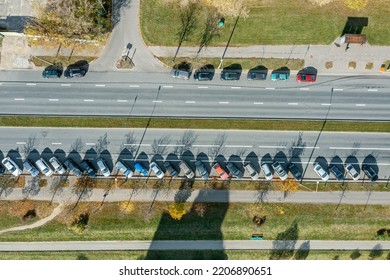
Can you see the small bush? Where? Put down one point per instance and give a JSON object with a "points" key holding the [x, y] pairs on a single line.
{"points": [[81, 223], [329, 64]]}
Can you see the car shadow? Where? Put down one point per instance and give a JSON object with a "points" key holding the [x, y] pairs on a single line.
{"points": [[323, 162], [205, 160], [282, 159], [237, 161], [296, 160], [338, 162], [47, 154], [106, 156], [253, 159], [189, 158], [354, 161]]}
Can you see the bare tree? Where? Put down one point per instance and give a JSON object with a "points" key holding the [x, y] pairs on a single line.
{"points": [[129, 143], [185, 142], [210, 31], [297, 147], [77, 146], [6, 185], [218, 146], [32, 187], [241, 152], [101, 144], [31, 144], [159, 145], [355, 150]]}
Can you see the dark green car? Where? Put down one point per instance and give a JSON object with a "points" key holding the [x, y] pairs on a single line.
{"points": [[51, 73]]}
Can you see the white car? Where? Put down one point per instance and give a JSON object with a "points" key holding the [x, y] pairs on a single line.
{"points": [[123, 169], [267, 171], [44, 167], [156, 169], [57, 165], [251, 171], [352, 172], [279, 170], [11, 166], [321, 171], [103, 167]]}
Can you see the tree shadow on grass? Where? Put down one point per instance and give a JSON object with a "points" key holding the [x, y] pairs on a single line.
{"points": [[284, 244]]}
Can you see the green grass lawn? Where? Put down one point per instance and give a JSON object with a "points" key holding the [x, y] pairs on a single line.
{"points": [[43, 61], [270, 22]]}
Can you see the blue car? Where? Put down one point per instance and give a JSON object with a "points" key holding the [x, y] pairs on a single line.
{"points": [[140, 168], [275, 76]]}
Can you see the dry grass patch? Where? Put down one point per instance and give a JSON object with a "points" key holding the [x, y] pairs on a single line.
{"points": [[369, 65], [352, 65]]}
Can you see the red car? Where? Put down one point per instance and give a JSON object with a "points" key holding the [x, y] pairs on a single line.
{"points": [[222, 173], [306, 78]]}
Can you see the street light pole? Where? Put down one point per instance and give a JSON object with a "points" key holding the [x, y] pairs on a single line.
{"points": [[227, 45]]}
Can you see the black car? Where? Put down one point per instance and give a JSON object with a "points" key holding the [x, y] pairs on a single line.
{"points": [[202, 75], [74, 72], [370, 172], [336, 172], [51, 73], [294, 171], [87, 166], [256, 75], [230, 75], [171, 170]]}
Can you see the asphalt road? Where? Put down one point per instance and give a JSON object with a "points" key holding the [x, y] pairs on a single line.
{"points": [[207, 145], [158, 95]]}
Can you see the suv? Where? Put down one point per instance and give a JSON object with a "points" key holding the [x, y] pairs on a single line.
{"points": [[266, 170], [123, 169], [201, 169], [276, 76], [44, 167], [171, 170], [321, 171], [256, 75], [279, 170], [29, 166], [11, 166], [74, 72], [51, 73], [251, 171], [87, 166], [58, 167], [222, 173], [352, 172], [71, 165], [308, 78], [233, 168], [103, 167], [336, 172], [203, 75], [156, 169], [140, 168], [370, 172], [230, 75], [187, 170], [181, 74], [294, 171]]}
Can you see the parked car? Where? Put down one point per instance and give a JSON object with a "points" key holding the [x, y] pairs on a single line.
{"points": [[87, 166], [306, 78], [256, 75], [221, 172], [201, 169], [279, 170], [72, 167], [203, 75], [11, 166], [1, 170], [251, 171], [156, 169], [266, 170], [370, 172], [181, 74], [294, 171], [351, 171], [44, 167], [276, 76], [74, 72], [29, 166], [336, 172], [229, 75], [170, 169], [122, 168], [187, 170], [321, 171], [103, 167], [233, 169], [140, 168], [58, 167], [51, 73]]}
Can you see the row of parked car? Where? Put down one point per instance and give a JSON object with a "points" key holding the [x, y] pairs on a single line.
{"points": [[234, 75], [41, 166], [68, 73]]}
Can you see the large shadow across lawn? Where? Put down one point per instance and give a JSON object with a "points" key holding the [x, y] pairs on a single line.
{"points": [[202, 222]]}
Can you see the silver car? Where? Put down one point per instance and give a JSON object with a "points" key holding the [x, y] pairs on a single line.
{"points": [[44, 167], [351, 171], [321, 171], [201, 169], [156, 169], [123, 169], [57, 165], [29, 166], [267, 171], [251, 171], [71, 165], [103, 167], [279, 170], [11, 166], [187, 170]]}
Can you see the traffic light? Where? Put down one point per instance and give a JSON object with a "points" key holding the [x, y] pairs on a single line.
{"points": [[221, 22]]}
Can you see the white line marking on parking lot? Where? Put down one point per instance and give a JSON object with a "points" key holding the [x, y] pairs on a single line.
{"points": [[157, 101], [1, 84], [235, 87], [326, 104], [258, 103], [360, 105], [372, 89], [18, 99], [54, 99], [21, 143], [270, 88], [90, 144], [277, 147], [304, 88], [170, 145], [360, 148], [292, 103], [65, 85], [133, 85], [56, 143], [31, 84], [190, 102], [121, 100], [99, 85], [224, 102], [88, 100], [199, 145], [202, 87], [298, 147], [338, 89], [167, 86], [238, 146]]}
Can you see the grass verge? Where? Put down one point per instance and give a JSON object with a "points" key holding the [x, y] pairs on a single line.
{"points": [[43, 61], [120, 122]]}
